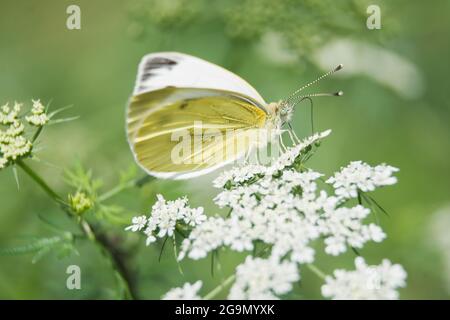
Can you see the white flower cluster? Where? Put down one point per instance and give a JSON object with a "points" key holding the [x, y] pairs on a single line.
{"points": [[294, 155], [13, 142], [164, 218], [238, 175], [343, 226], [38, 116], [267, 210], [276, 206], [366, 282], [360, 176], [186, 292], [284, 208], [244, 174], [263, 279]]}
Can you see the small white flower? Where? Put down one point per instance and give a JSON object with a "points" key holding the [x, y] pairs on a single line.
{"points": [[3, 162], [164, 218], [342, 226], [186, 292], [9, 115], [14, 143], [38, 117], [17, 147], [166, 225], [288, 158], [239, 175], [138, 223], [366, 282], [194, 216], [150, 237], [204, 238], [15, 129], [360, 176], [263, 279]]}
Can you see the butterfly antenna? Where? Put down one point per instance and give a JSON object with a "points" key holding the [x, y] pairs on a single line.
{"points": [[294, 95], [322, 94]]}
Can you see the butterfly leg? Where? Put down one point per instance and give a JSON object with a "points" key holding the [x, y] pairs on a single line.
{"points": [[283, 146], [293, 135]]}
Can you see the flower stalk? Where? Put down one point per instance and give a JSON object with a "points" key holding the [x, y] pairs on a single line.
{"points": [[109, 252], [214, 292], [316, 271]]}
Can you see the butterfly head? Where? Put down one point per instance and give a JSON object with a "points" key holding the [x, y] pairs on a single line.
{"points": [[281, 111]]}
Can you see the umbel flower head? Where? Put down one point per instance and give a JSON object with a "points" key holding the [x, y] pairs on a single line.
{"points": [[14, 141], [164, 217], [286, 207], [186, 292], [80, 202], [366, 282], [282, 210], [263, 279]]}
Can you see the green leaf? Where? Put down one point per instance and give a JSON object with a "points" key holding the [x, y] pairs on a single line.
{"points": [[114, 214], [54, 113], [65, 250], [162, 249], [34, 246], [356, 251], [40, 254], [51, 225], [16, 177], [57, 121], [378, 206], [82, 180], [128, 175]]}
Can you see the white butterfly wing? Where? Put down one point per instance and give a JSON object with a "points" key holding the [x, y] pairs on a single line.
{"points": [[166, 79], [172, 69]]}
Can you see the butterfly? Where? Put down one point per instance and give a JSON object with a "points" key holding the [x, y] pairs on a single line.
{"points": [[181, 96]]}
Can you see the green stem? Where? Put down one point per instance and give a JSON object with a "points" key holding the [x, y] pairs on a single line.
{"points": [[37, 133], [230, 279], [219, 288], [116, 190], [317, 271], [104, 246], [33, 175]]}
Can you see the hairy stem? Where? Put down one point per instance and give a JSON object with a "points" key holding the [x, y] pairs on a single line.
{"points": [[108, 250]]}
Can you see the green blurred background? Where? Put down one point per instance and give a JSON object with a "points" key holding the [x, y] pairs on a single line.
{"points": [[94, 70]]}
